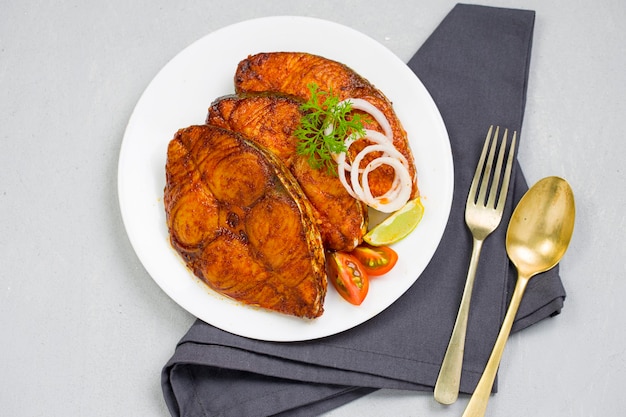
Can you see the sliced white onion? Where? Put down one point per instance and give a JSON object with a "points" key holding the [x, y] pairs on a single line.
{"points": [[372, 136], [402, 192], [366, 106], [377, 137], [342, 167], [389, 151], [329, 129], [398, 194], [402, 185]]}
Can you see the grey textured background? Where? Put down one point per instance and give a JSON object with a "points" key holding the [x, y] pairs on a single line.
{"points": [[85, 330]]}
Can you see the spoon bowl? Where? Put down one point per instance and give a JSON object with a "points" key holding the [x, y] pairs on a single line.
{"points": [[539, 233], [541, 226]]}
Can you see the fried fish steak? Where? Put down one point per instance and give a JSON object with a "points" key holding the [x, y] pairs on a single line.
{"points": [[292, 73], [241, 223], [270, 120]]}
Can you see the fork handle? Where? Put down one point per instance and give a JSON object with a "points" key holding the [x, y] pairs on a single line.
{"points": [[449, 379], [477, 405]]}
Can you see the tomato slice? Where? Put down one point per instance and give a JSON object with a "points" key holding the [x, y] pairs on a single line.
{"points": [[348, 277], [376, 260]]}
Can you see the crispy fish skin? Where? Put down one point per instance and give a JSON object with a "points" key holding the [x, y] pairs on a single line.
{"points": [[270, 121], [292, 72], [241, 223]]}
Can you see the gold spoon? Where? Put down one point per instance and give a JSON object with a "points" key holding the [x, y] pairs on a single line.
{"points": [[538, 235]]}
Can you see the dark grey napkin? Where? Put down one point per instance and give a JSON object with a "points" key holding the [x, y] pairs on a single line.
{"points": [[475, 65]]}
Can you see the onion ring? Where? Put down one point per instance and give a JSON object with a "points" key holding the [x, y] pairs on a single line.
{"points": [[400, 190], [397, 192], [403, 191], [379, 116]]}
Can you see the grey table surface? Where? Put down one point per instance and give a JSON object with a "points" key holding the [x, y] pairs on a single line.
{"points": [[85, 330]]}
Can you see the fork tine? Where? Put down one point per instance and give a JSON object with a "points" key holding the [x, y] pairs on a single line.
{"points": [[479, 168], [482, 196], [497, 173], [507, 173]]}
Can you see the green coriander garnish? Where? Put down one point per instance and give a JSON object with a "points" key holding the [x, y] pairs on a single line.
{"points": [[323, 129]]}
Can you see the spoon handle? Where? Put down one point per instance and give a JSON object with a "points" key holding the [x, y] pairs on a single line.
{"points": [[449, 379], [478, 403]]}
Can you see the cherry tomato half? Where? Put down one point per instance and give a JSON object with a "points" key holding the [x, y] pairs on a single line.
{"points": [[376, 260], [348, 277]]}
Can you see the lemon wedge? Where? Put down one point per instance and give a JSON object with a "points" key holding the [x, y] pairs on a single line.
{"points": [[397, 226]]}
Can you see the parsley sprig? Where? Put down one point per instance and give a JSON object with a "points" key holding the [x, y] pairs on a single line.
{"points": [[317, 141]]}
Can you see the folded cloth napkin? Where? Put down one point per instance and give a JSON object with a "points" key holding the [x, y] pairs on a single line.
{"points": [[475, 66]]}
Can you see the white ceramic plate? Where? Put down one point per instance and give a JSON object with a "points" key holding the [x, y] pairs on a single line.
{"points": [[179, 96]]}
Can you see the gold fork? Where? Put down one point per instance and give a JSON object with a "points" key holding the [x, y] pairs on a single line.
{"points": [[483, 212]]}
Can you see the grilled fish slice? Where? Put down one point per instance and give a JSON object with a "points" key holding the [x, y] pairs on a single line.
{"points": [[240, 221], [270, 121], [292, 72]]}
